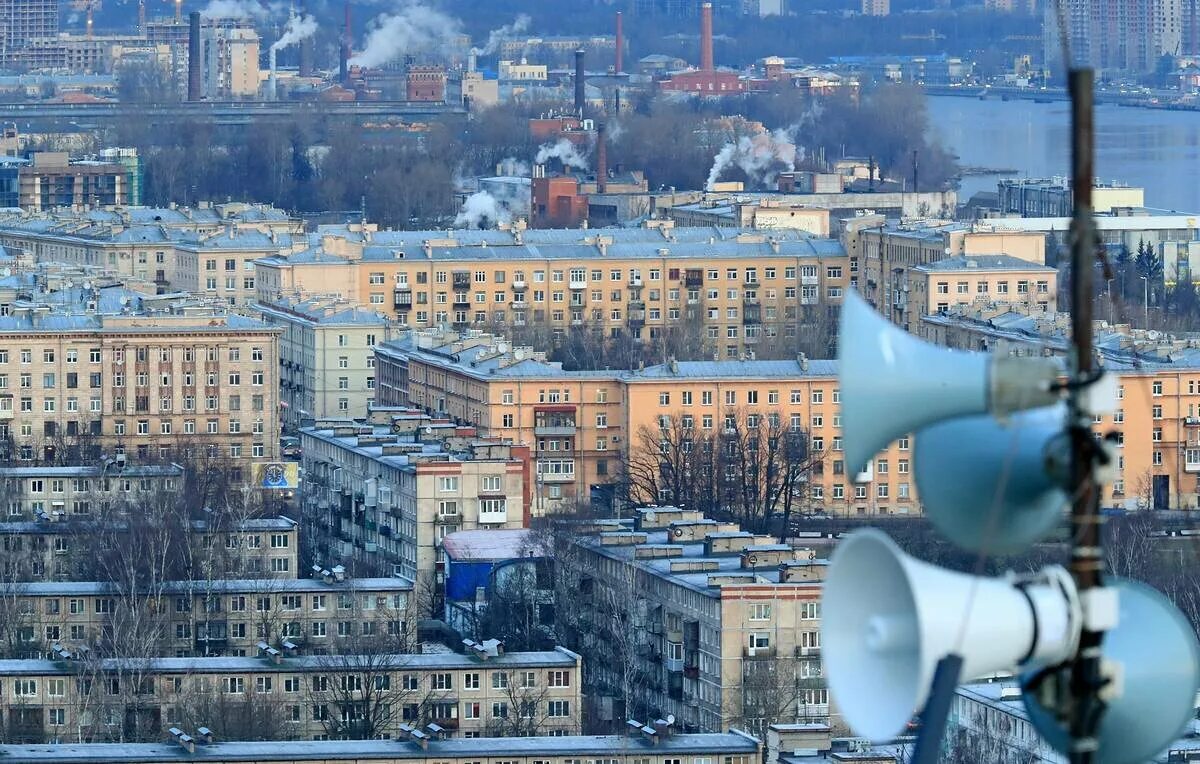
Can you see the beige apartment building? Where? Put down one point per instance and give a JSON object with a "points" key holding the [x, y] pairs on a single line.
{"points": [[326, 355], [738, 289], [171, 246], [108, 371], [381, 498], [58, 493], [888, 250], [959, 282], [56, 550], [647, 745], [717, 623], [581, 425], [1158, 408], [573, 421], [304, 697], [209, 616]]}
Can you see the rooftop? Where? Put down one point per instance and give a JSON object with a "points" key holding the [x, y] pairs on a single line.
{"points": [[215, 586], [488, 545], [321, 310], [983, 263], [297, 663], [711, 744]]}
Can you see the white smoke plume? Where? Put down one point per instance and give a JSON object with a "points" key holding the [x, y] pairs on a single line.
{"points": [[298, 29], [234, 9], [761, 157], [496, 36], [513, 167], [615, 130], [412, 27], [481, 210], [564, 151]]}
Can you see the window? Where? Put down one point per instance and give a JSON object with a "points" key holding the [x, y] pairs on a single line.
{"points": [[760, 611], [759, 641], [559, 708], [447, 484]]}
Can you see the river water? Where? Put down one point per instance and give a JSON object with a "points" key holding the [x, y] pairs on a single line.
{"points": [[1155, 149]]}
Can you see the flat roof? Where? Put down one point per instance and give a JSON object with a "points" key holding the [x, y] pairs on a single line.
{"points": [[215, 586], [350, 750]]}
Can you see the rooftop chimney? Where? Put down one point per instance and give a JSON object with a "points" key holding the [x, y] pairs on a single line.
{"points": [[706, 42], [580, 97], [344, 67], [194, 85], [617, 62], [601, 159]]}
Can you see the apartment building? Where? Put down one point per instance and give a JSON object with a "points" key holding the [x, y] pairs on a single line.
{"points": [[382, 497], [55, 550], [581, 425], [467, 696], [573, 421], [708, 397], [1158, 408], [1054, 198], [141, 242], [726, 622], [210, 616], [327, 356], [739, 286], [887, 252], [973, 279], [56, 493], [648, 745], [91, 371]]}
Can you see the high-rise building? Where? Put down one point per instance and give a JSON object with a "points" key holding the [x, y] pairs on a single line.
{"points": [[1119, 35], [876, 7], [23, 20]]}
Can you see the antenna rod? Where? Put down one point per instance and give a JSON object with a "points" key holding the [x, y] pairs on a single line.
{"points": [[1087, 551]]}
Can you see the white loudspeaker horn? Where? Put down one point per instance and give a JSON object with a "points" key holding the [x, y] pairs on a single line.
{"points": [[992, 485], [1157, 662], [893, 383], [888, 618]]}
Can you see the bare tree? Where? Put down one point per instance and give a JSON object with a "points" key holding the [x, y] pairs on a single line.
{"points": [[524, 710], [770, 693]]}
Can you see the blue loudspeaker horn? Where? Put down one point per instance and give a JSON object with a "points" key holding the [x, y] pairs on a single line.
{"points": [[992, 485], [893, 383], [1155, 683]]}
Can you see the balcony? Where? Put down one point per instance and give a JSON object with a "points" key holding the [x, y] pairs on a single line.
{"points": [[752, 313], [577, 285], [448, 519], [691, 672], [563, 428], [758, 652], [520, 285], [635, 283], [556, 477], [499, 516], [1192, 421], [674, 664], [810, 280], [402, 299], [694, 279], [462, 280], [462, 300]]}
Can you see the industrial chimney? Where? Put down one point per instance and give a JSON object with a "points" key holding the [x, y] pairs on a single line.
{"points": [[306, 49], [706, 40], [194, 85], [601, 159], [178, 11], [89, 21], [141, 17], [580, 95], [344, 67], [618, 60]]}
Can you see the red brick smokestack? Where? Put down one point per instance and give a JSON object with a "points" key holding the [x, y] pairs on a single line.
{"points": [[617, 66], [601, 159], [706, 49]]}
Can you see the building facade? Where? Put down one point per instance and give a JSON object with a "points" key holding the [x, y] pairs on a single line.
{"points": [[384, 496], [467, 696], [209, 617], [327, 357], [85, 372]]}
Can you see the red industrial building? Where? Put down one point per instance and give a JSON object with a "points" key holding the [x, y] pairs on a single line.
{"points": [[426, 83], [706, 79], [557, 203]]}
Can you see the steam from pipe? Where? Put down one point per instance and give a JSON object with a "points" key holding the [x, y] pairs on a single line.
{"points": [[513, 167], [564, 151], [298, 29], [413, 27], [234, 9], [482, 210], [497, 36], [761, 157]]}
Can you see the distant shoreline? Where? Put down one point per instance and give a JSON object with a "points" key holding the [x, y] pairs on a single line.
{"points": [[1054, 95]]}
